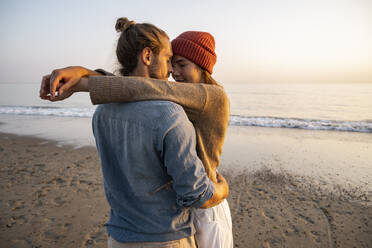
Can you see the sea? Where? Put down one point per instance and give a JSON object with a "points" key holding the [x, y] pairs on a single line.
{"points": [[335, 107]]}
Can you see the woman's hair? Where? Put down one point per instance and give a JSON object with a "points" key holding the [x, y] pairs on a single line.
{"points": [[207, 77], [134, 37]]}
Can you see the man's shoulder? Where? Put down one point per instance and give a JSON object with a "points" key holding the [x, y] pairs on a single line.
{"points": [[142, 110], [145, 106], [159, 104]]}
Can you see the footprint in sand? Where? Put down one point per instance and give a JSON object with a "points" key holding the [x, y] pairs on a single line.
{"points": [[67, 226], [73, 181], [93, 239], [50, 235], [293, 230], [16, 204], [21, 242], [21, 219], [316, 236], [57, 181], [307, 219], [37, 203], [41, 192], [40, 166], [11, 222], [267, 215], [16, 220], [58, 201]]}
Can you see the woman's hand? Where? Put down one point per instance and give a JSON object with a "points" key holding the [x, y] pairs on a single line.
{"points": [[65, 81], [80, 86]]}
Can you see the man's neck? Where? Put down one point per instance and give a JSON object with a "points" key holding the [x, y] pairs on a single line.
{"points": [[140, 72]]}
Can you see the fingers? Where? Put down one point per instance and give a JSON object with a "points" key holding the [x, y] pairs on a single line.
{"points": [[61, 96], [45, 90], [219, 177], [67, 86], [44, 87], [54, 81]]}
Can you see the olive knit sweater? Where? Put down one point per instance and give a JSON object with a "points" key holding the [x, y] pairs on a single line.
{"points": [[207, 107]]}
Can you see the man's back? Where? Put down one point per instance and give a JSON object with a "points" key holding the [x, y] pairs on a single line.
{"points": [[143, 146]]}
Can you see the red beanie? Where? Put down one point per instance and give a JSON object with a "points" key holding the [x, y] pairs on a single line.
{"points": [[197, 47]]}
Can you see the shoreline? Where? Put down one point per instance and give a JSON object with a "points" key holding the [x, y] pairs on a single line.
{"points": [[330, 157], [52, 196]]}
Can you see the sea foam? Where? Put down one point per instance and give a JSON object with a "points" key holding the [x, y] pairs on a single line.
{"points": [[364, 126]]}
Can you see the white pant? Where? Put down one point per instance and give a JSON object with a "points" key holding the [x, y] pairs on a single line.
{"points": [[213, 226]]}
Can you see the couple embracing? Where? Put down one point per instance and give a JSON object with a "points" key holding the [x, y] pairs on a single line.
{"points": [[159, 142]]}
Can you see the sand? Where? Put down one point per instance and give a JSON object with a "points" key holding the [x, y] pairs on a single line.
{"points": [[52, 196]]}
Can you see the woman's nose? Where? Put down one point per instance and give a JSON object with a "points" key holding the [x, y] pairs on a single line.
{"points": [[175, 71]]}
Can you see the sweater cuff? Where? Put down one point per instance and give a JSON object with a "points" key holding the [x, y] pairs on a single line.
{"points": [[107, 89], [97, 87], [103, 72]]}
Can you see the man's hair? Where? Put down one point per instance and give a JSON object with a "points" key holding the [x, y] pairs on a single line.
{"points": [[134, 37]]}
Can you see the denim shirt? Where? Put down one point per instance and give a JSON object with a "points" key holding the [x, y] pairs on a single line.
{"points": [[143, 146]]}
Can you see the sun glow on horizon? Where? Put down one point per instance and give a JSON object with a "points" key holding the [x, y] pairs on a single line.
{"points": [[308, 42]]}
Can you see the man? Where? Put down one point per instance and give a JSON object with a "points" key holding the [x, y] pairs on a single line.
{"points": [[145, 145]]}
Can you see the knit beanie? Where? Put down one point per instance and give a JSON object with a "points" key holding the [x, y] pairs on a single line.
{"points": [[197, 47]]}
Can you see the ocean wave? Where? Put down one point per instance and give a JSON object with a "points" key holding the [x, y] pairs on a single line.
{"points": [[364, 126], [310, 124], [47, 111]]}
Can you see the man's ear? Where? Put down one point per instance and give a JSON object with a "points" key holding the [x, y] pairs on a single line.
{"points": [[146, 56]]}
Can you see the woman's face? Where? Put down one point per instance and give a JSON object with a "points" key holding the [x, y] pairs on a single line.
{"points": [[185, 71]]}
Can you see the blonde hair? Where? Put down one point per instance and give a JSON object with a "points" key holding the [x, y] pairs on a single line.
{"points": [[207, 78]]}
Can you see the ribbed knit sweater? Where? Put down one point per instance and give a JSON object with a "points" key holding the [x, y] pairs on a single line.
{"points": [[207, 107]]}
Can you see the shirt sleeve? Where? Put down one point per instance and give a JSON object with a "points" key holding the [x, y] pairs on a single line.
{"points": [[190, 181]]}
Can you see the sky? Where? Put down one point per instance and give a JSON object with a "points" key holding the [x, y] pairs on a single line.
{"points": [[257, 41]]}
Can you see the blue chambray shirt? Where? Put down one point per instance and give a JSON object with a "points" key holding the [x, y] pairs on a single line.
{"points": [[142, 146]]}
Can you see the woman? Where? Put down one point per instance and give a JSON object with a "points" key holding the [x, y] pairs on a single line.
{"points": [[192, 62], [204, 101]]}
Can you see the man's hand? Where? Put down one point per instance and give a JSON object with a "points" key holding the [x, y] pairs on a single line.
{"points": [[65, 81]]}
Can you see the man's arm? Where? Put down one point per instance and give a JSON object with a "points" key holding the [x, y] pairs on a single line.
{"points": [[190, 182]]}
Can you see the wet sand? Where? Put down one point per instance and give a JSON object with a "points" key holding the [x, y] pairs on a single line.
{"points": [[52, 194]]}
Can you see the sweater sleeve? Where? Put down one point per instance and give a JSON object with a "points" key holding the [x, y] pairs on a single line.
{"points": [[104, 73], [193, 97]]}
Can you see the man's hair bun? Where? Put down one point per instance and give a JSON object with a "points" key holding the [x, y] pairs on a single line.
{"points": [[123, 24]]}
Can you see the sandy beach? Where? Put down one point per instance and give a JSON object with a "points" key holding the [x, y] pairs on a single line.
{"points": [[52, 194]]}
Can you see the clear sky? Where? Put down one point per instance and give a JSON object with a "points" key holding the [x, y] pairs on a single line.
{"points": [[256, 40]]}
